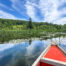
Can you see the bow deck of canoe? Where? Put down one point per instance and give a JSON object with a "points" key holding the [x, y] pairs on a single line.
{"points": [[53, 55]]}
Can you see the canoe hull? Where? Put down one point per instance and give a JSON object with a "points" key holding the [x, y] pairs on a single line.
{"points": [[46, 59]]}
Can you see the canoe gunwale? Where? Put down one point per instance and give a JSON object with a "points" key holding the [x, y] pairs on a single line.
{"points": [[53, 62], [42, 54], [62, 50]]}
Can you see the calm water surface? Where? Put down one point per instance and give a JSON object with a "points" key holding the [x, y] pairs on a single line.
{"points": [[24, 53]]}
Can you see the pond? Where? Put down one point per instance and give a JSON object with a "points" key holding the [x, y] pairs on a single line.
{"points": [[24, 53]]}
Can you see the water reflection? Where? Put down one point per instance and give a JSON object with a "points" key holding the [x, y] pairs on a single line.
{"points": [[25, 53]]}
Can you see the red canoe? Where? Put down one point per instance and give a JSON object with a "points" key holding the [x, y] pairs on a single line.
{"points": [[53, 55]]}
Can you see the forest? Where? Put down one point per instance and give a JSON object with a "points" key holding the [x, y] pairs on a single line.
{"points": [[21, 29]]}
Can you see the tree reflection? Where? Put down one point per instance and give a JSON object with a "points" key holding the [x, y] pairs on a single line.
{"points": [[30, 41]]}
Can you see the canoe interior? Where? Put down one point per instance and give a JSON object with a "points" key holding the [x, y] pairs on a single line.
{"points": [[55, 54], [43, 64]]}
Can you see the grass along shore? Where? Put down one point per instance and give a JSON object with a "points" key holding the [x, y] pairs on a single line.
{"points": [[7, 35]]}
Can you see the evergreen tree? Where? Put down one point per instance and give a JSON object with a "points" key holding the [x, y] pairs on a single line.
{"points": [[30, 26]]}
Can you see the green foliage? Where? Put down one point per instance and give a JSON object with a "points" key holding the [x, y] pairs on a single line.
{"points": [[18, 29]]}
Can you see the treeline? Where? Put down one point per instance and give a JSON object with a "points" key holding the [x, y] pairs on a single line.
{"points": [[18, 29], [23, 25]]}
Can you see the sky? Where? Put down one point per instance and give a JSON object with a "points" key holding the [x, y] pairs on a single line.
{"points": [[51, 11]]}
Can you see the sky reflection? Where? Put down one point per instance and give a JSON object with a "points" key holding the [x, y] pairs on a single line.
{"points": [[26, 52]]}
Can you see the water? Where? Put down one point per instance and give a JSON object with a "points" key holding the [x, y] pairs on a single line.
{"points": [[24, 53]]}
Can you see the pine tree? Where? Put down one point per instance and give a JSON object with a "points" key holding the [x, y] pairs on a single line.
{"points": [[30, 26]]}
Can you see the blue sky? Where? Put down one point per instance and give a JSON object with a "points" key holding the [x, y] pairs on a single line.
{"points": [[52, 11]]}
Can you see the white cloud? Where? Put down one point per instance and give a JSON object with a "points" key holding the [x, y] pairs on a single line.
{"points": [[63, 11], [18, 5], [5, 46], [48, 9], [30, 10], [4, 6], [60, 21], [15, 4], [6, 15]]}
